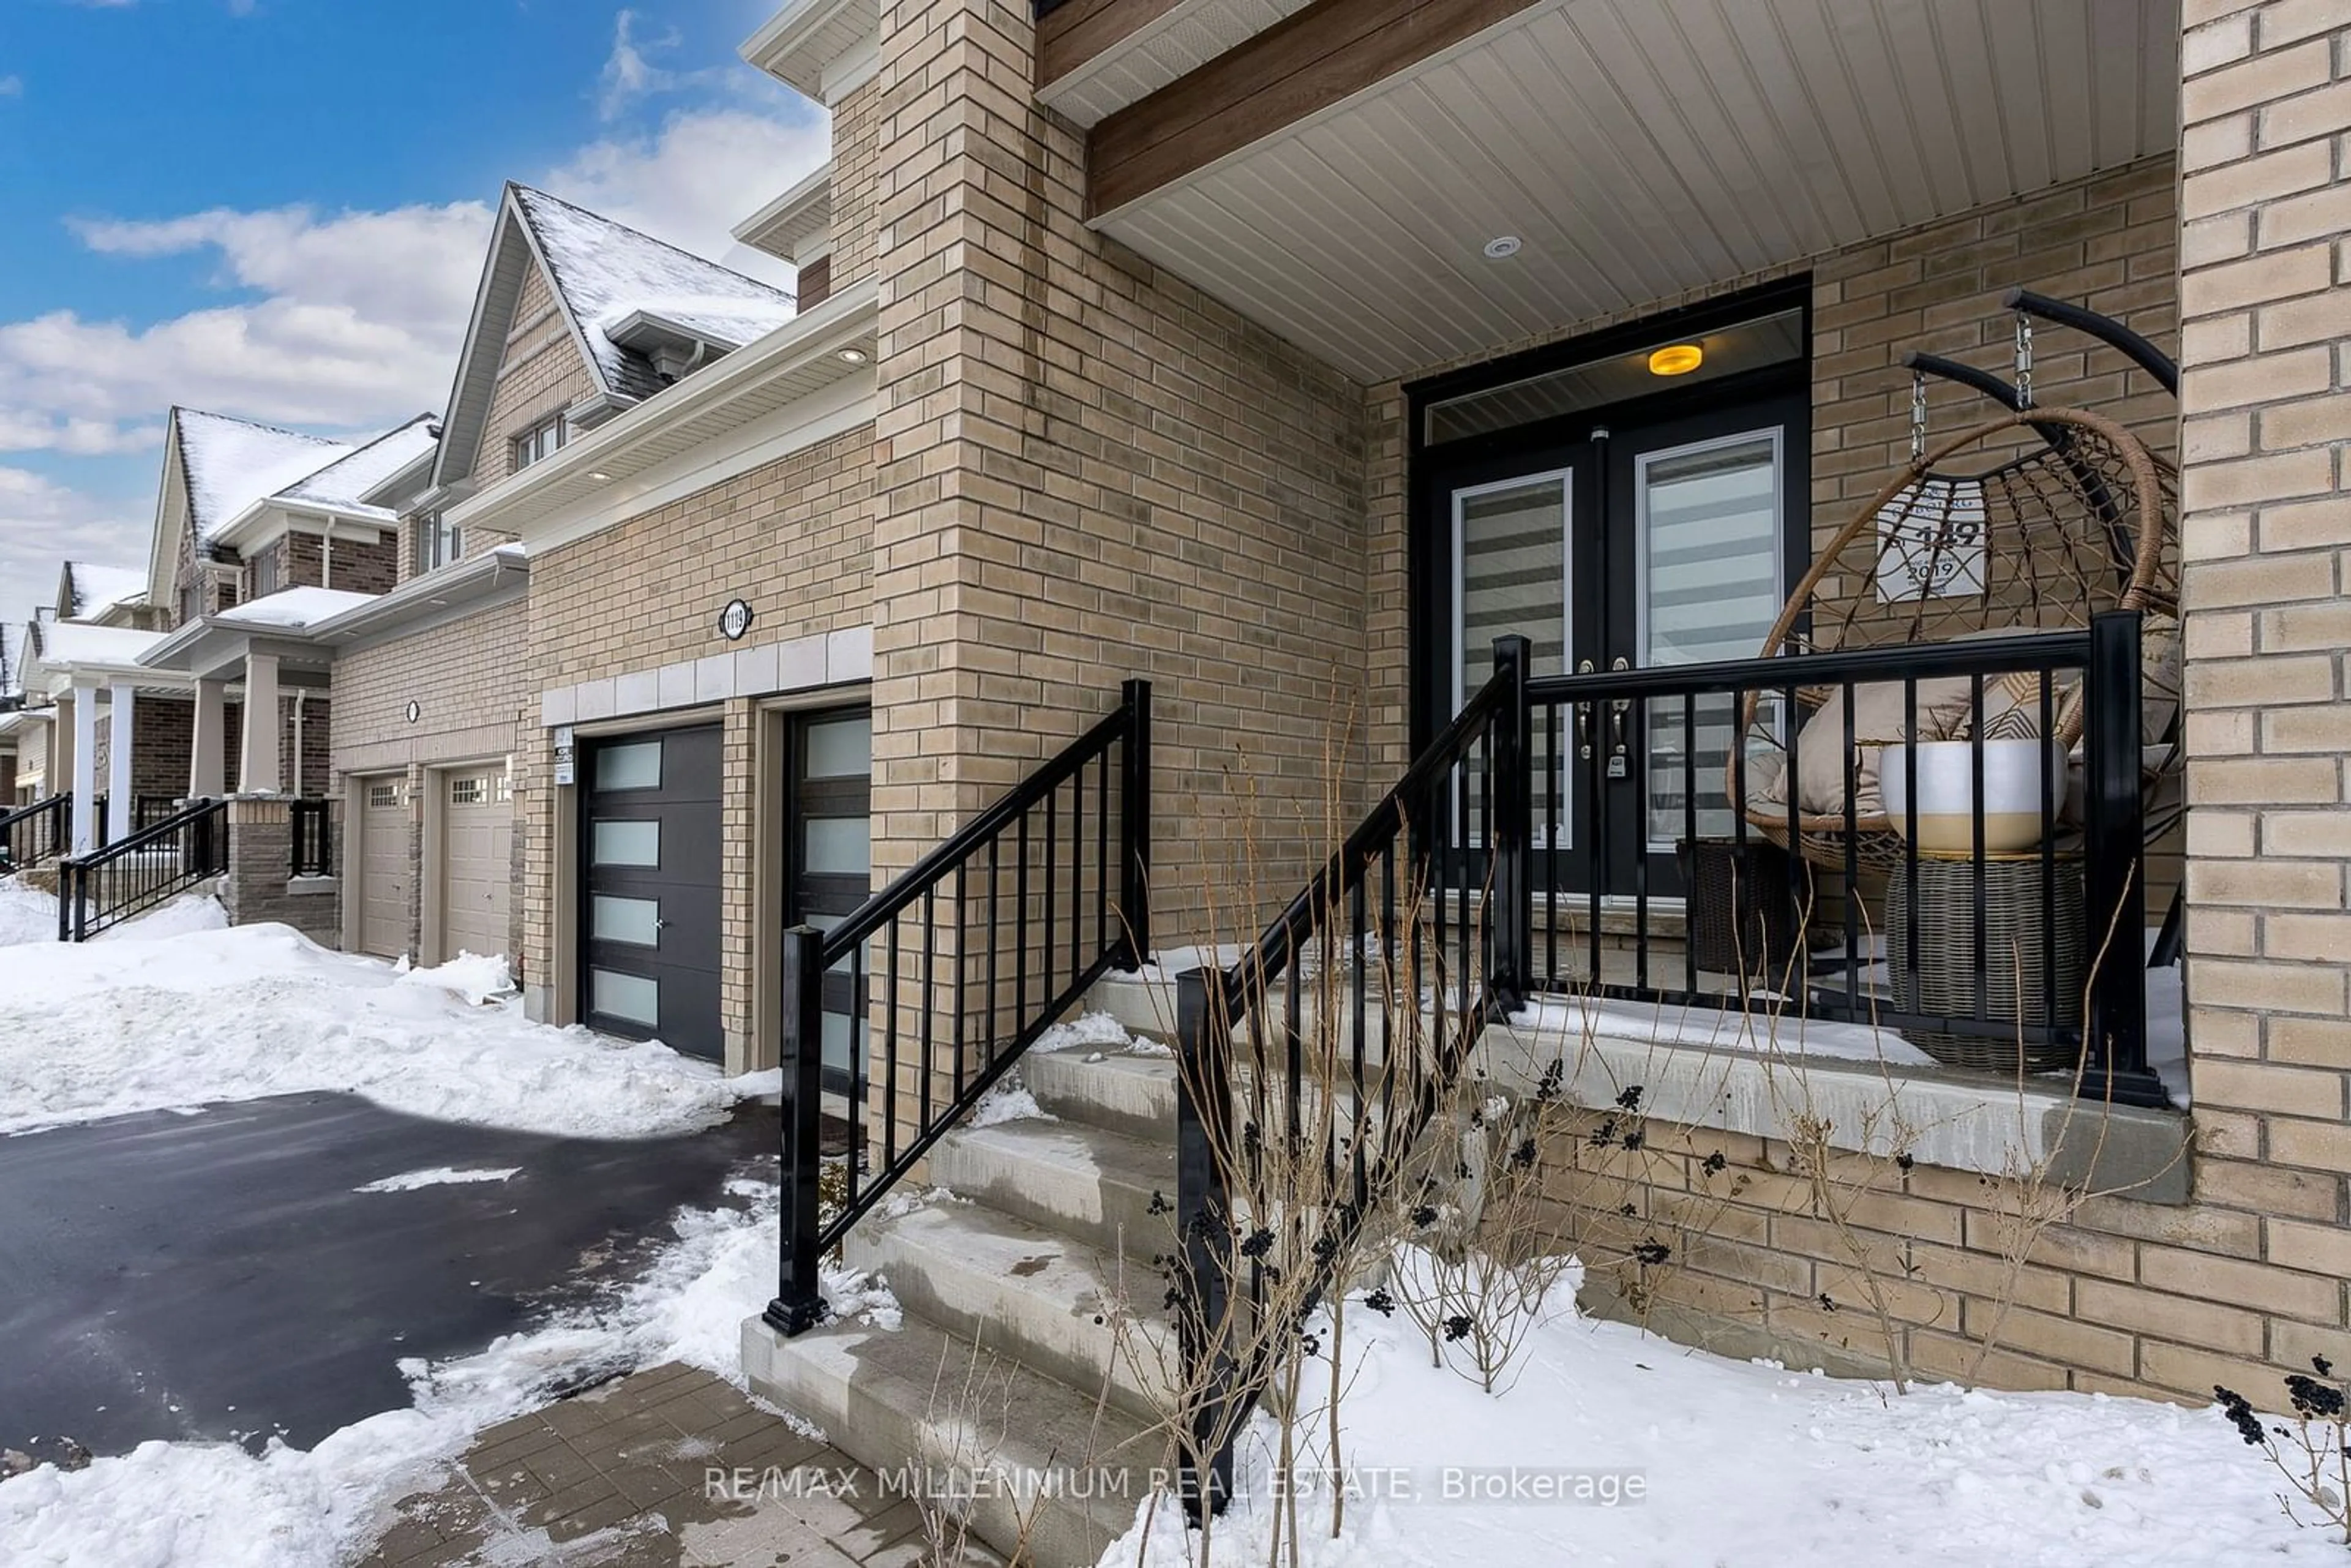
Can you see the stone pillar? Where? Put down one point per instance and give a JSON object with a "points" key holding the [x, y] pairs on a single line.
{"points": [[207, 765], [260, 884], [85, 767], [258, 769], [122, 799], [2265, 404]]}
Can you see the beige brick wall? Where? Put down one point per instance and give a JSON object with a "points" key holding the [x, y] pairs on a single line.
{"points": [[468, 679], [1090, 470], [794, 538], [540, 370], [2108, 241], [856, 151]]}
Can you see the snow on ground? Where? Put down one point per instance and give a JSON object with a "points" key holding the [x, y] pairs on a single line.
{"points": [[214, 1505], [439, 1175], [27, 914], [155, 1022], [1739, 1463]]}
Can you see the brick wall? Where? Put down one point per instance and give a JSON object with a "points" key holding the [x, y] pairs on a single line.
{"points": [[1090, 470], [858, 123], [794, 538], [2267, 421], [539, 372], [2109, 241], [306, 751], [469, 681]]}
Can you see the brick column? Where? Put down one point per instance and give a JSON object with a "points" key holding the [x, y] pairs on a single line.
{"points": [[260, 884], [2266, 538]]}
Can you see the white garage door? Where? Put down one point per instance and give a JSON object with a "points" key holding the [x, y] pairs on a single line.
{"points": [[477, 876], [387, 874]]}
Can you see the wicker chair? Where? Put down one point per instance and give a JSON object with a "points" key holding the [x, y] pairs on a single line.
{"points": [[2033, 521]]}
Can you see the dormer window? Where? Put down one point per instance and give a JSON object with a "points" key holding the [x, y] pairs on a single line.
{"points": [[540, 442]]}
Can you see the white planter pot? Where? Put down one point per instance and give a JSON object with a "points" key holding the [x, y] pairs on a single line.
{"points": [[2016, 775]]}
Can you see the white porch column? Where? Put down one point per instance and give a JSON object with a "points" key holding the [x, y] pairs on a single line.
{"points": [[257, 766], [121, 804], [58, 770], [208, 750], [85, 767]]}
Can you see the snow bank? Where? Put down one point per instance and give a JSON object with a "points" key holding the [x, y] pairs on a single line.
{"points": [[112, 1027], [1739, 1463], [27, 914]]}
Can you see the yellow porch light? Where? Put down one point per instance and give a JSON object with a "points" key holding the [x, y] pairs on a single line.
{"points": [[1675, 359]]}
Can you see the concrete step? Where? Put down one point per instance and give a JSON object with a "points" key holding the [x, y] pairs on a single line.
{"points": [[1125, 1092], [1033, 1295], [1088, 1183], [914, 1396]]}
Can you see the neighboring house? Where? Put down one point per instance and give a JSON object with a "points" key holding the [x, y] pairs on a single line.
{"points": [[106, 596], [606, 424]]}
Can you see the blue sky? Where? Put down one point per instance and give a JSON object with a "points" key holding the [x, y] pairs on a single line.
{"points": [[277, 209]]}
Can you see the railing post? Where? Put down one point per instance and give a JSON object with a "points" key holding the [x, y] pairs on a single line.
{"points": [[799, 1305], [1204, 1108], [1135, 825], [1510, 838], [2114, 858]]}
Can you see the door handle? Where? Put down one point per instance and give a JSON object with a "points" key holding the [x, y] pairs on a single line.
{"points": [[1619, 759], [1584, 719]]}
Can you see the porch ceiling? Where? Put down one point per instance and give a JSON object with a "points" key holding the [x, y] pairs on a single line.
{"points": [[1641, 148]]}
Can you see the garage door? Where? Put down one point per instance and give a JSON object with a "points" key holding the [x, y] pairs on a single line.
{"points": [[387, 874], [649, 857], [477, 872]]}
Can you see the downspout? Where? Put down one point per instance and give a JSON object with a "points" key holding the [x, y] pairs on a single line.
{"points": [[300, 694], [326, 564]]}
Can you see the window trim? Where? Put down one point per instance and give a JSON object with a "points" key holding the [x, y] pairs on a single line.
{"points": [[540, 442]]}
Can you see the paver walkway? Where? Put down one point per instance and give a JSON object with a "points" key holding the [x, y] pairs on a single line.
{"points": [[668, 1468]]}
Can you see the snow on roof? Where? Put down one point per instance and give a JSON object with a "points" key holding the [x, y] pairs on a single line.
{"points": [[233, 463], [69, 643], [95, 590], [606, 272], [344, 483], [293, 607]]}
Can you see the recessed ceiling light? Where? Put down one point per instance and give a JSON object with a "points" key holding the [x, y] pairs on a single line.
{"points": [[1675, 359], [853, 356], [598, 474], [1501, 247]]}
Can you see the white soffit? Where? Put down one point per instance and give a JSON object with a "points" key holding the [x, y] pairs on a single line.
{"points": [[1640, 148], [797, 226], [1188, 35], [819, 47]]}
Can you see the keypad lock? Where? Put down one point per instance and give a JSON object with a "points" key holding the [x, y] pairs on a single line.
{"points": [[1619, 756]]}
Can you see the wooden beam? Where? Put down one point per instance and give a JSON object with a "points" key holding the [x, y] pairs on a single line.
{"points": [[1075, 31], [1330, 51]]}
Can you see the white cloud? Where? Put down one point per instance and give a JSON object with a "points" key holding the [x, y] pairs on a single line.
{"points": [[42, 523], [335, 320]]}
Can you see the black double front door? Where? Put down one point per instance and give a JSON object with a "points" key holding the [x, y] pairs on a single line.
{"points": [[649, 854], [1658, 534]]}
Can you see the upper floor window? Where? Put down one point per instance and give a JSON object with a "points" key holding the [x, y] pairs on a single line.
{"points": [[540, 442], [439, 541], [265, 574]]}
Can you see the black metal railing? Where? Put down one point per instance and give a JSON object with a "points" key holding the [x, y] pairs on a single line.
{"points": [[940, 981], [109, 885], [146, 810], [31, 834], [312, 822], [2032, 954], [1307, 1069]]}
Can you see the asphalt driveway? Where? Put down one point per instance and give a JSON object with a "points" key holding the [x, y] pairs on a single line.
{"points": [[215, 1275]]}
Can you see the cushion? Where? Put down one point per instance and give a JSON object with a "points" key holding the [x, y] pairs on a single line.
{"points": [[1877, 721]]}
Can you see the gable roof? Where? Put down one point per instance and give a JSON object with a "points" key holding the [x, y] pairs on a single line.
{"points": [[91, 591], [230, 464], [343, 484], [611, 283]]}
